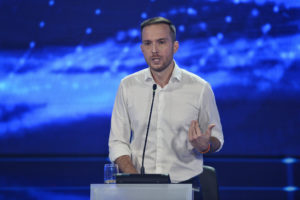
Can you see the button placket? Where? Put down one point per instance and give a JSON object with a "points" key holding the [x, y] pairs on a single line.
{"points": [[159, 144]]}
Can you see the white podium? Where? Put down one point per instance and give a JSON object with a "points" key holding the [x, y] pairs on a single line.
{"points": [[141, 192]]}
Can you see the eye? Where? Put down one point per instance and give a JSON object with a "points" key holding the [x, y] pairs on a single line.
{"points": [[147, 43], [161, 41]]}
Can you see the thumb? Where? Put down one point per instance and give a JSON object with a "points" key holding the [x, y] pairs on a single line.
{"points": [[209, 128]]}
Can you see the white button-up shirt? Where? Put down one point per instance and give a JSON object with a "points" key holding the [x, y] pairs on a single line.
{"points": [[185, 98]]}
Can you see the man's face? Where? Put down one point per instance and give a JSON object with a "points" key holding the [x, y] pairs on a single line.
{"points": [[158, 47]]}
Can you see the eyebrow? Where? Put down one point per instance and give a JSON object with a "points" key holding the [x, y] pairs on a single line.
{"points": [[155, 40], [162, 39]]}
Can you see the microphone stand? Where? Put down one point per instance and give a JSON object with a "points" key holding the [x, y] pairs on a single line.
{"points": [[145, 144]]}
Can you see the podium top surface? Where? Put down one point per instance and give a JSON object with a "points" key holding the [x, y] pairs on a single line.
{"points": [[141, 191]]}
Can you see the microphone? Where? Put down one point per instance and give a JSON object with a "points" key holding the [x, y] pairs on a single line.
{"points": [[145, 144]]}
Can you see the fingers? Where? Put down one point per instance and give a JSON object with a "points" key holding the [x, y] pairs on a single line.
{"points": [[195, 132], [197, 129], [192, 131]]}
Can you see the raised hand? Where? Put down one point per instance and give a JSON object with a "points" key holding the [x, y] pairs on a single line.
{"points": [[200, 141]]}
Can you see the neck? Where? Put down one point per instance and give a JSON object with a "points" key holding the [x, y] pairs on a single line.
{"points": [[162, 78]]}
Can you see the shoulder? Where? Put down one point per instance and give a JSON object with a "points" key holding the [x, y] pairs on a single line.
{"points": [[194, 79], [134, 78]]}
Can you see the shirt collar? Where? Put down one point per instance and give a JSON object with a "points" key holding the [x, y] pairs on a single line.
{"points": [[176, 74]]}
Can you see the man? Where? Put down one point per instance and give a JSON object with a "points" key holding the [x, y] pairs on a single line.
{"points": [[185, 121]]}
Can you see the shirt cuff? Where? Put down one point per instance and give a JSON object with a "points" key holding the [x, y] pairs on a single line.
{"points": [[116, 152]]}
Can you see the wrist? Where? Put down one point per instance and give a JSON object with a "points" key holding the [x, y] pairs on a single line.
{"points": [[207, 149]]}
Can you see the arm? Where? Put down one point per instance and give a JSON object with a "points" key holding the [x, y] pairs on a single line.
{"points": [[125, 164], [206, 134], [119, 137]]}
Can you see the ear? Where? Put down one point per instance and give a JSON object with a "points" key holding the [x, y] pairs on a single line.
{"points": [[142, 49], [175, 46]]}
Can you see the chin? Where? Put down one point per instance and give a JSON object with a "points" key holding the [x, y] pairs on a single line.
{"points": [[158, 69]]}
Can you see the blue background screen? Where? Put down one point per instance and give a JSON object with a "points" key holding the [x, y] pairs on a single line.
{"points": [[61, 63]]}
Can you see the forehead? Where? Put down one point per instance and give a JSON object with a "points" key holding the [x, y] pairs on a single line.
{"points": [[156, 31]]}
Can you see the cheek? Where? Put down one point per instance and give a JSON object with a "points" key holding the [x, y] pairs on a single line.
{"points": [[144, 52], [168, 52]]}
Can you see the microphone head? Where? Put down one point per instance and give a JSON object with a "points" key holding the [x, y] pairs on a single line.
{"points": [[154, 86]]}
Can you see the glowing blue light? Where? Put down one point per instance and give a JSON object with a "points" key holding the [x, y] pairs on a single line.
{"points": [[121, 35], [283, 55], [125, 49], [3, 129], [22, 61], [32, 44], [182, 10], [14, 125], [79, 48], [152, 0], [191, 11], [35, 88], [88, 30], [144, 15], [42, 24], [173, 12], [236, 1], [3, 86], [291, 55], [223, 51], [232, 60], [51, 2], [289, 160], [290, 188], [254, 12], [181, 28], [213, 40], [48, 86], [75, 86], [69, 63], [228, 19], [259, 42], [258, 2], [250, 53], [202, 62], [211, 50], [97, 11], [220, 36], [266, 28], [163, 14], [202, 26], [133, 33], [275, 9]]}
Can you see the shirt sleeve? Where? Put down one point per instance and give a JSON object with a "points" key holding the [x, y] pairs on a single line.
{"points": [[119, 137], [209, 114]]}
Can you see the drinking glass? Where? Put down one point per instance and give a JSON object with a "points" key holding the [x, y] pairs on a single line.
{"points": [[110, 171]]}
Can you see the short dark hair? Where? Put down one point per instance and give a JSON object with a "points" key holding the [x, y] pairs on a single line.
{"points": [[160, 20]]}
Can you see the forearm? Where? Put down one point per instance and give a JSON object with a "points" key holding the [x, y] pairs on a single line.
{"points": [[125, 164]]}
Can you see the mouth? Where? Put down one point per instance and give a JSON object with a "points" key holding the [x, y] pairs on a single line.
{"points": [[155, 59]]}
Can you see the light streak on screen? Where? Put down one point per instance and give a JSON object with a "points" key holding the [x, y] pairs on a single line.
{"points": [[61, 64]]}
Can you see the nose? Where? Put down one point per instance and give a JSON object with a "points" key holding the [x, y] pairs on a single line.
{"points": [[154, 48]]}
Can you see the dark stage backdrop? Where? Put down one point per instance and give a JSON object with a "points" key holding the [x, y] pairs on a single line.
{"points": [[61, 63]]}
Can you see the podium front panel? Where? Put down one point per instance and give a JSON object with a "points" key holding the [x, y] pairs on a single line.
{"points": [[141, 192]]}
